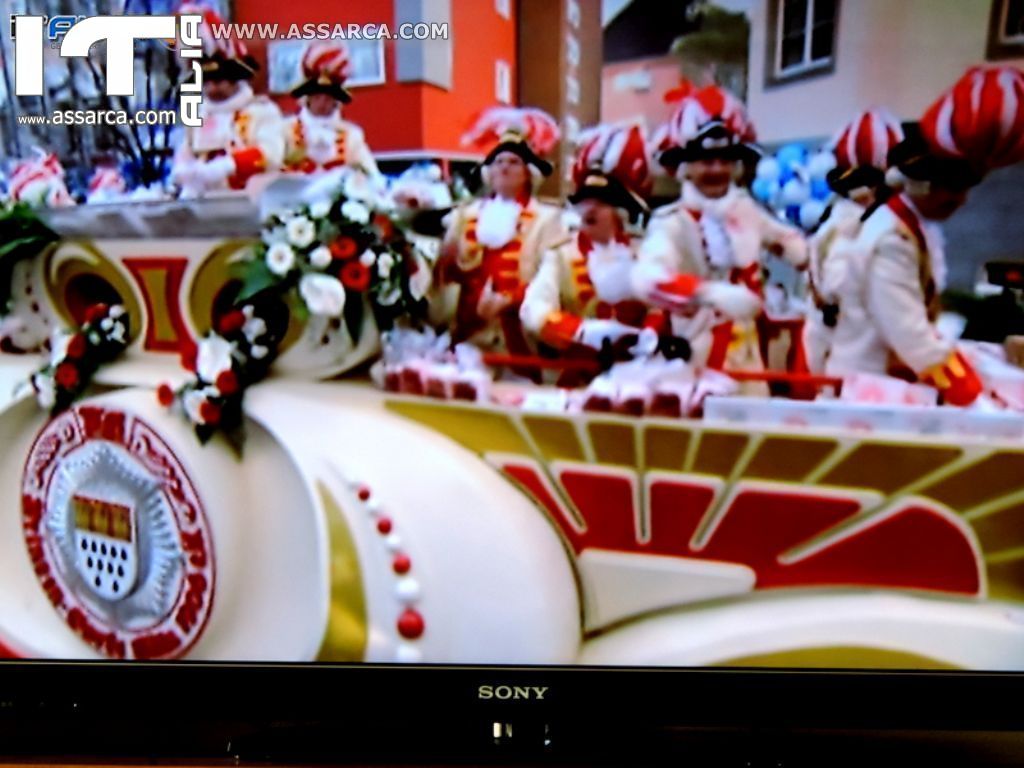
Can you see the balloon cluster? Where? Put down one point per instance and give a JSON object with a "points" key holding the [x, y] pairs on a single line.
{"points": [[792, 183]]}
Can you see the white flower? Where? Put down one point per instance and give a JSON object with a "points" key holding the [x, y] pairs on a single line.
{"points": [[116, 311], [280, 258], [301, 232], [193, 403], [368, 258], [384, 264], [214, 357], [259, 352], [355, 211], [118, 333], [59, 342], [320, 208], [254, 326], [275, 235], [320, 257], [386, 299], [46, 392], [323, 294], [106, 324]]}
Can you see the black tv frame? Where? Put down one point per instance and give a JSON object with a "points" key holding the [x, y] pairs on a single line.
{"points": [[375, 715]]}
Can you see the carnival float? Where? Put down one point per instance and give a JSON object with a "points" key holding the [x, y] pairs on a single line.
{"points": [[234, 430]]}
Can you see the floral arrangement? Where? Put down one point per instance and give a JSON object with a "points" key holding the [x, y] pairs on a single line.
{"points": [[325, 257], [22, 236], [237, 354], [335, 256], [76, 356]]}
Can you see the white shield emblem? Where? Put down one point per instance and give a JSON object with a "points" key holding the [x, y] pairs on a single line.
{"points": [[105, 542]]}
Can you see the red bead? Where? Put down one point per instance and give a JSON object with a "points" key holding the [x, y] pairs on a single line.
{"points": [[165, 395], [411, 624], [384, 525], [364, 493], [401, 564]]}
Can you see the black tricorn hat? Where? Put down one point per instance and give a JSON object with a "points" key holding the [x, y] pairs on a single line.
{"points": [[323, 84], [713, 141], [515, 143], [600, 186], [220, 67], [916, 160], [845, 180]]}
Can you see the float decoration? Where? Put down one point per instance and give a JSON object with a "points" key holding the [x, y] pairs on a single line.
{"points": [[22, 236], [236, 355], [76, 356]]}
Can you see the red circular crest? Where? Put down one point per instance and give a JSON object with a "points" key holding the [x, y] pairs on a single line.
{"points": [[117, 534]]}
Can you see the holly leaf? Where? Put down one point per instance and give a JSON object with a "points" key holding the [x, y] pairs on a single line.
{"points": [[256, 279]]}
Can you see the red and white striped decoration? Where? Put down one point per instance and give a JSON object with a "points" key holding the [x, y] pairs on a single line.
{"points": [[980, 119], [228, 46], [619, 151], [327, 58], [107, 180], [39, 180], [537, 127], [867, 139], [704, 105]]}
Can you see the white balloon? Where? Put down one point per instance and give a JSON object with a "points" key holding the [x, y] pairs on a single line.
{"points": [[820, 164], [811, 213], [795, 192], [768, 168]]}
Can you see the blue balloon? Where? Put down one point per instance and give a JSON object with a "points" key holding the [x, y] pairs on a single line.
{"points": [[763, 189], [793, 213], [820, 189], [790, 155], [787, 174]]}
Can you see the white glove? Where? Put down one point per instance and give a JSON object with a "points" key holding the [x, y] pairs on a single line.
{"points": [[593, 333], [646, 343], [216, 171], [736, 301]]}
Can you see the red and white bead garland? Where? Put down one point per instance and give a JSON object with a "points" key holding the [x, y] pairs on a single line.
{"points": [[410, 623]]}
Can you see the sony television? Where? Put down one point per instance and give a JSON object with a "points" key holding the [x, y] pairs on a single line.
{"points": [[555, 380]]}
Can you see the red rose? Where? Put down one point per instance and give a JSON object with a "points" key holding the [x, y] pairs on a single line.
{"points": [[67, 376], [165, 395], [227, 382], [210, 413], [231, 322], [76, 347], [189, 355], [355, 276], [343, 248], [96, 312]]}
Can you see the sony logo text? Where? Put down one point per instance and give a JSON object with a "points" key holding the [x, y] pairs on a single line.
{"points": [[514, 692]]}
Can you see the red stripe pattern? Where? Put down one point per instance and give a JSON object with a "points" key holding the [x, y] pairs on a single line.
{"points": [[619, 151], [866, 140], [980, 119]]}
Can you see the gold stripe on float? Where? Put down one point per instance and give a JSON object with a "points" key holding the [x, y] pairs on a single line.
{"points": [[477, 428], [840, 657], [346, 633]]}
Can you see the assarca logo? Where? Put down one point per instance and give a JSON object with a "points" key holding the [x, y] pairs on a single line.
{"points": [[506, 692]]}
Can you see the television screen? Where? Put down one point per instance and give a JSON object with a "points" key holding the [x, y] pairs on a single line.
{"points": [[517, 332]]}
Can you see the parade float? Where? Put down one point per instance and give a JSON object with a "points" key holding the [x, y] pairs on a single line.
{"points": [[445, 517]]}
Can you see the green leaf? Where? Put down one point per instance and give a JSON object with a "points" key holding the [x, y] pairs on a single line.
{"points": [[257, 278], [353, 312]]}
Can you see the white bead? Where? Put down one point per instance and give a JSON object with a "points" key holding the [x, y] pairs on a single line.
{"points": [[407, 590], [393, 542], [373, 507], [408, 654]]}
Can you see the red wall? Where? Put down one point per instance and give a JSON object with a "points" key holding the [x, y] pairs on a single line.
{"points": [[407, 116]]}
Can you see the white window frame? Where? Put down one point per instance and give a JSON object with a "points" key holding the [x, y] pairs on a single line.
{"points": [[1004, 11], [806, 64], [380, 79], [503, 8], [502, 81]]}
